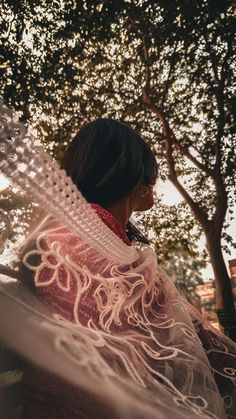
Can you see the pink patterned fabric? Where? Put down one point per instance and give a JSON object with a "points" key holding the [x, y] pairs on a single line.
{"points": [[152, 335], [45, 395]]}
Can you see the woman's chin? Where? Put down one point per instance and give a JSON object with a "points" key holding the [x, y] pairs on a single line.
{"points": [[145, 206]]}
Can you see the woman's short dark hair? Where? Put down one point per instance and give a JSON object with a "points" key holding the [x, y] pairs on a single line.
{"points": [[107, 160]]}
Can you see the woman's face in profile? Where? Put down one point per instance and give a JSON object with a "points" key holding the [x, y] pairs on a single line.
{"points": [[146, 201]]}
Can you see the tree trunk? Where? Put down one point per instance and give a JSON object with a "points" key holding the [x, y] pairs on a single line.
{"points": [[225, 307]]}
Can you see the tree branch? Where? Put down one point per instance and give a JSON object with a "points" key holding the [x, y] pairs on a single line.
{"points": [[221, 204], [147, 100], [167, 85], [193, 159], [169, 138]]}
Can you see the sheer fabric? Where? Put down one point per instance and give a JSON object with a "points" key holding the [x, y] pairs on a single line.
{"points": [[129, 328]]}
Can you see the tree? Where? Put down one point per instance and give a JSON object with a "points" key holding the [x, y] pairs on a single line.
{"points": [[175, 238], [164, 67], [186, 273], [171, 232], [212, 158]]}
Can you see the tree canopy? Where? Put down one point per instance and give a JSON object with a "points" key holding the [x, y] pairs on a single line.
{"points": [[66, 62]]}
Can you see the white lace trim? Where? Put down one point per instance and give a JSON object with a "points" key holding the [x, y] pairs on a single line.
{"points": [[33, 169]]}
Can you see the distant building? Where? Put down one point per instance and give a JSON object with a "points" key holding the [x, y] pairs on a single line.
{"points": [[206, 293], [232, 268]]}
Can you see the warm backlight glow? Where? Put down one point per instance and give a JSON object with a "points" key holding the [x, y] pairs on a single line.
{"points": [[4, 182]]}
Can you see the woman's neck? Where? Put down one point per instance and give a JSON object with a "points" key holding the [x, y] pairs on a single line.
{"points": [[121, 212]]}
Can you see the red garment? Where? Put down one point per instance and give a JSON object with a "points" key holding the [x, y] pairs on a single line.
{"points": [[111, 222]]}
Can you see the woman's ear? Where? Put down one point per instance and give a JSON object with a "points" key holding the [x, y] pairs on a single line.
{"points": [[144, 199]]}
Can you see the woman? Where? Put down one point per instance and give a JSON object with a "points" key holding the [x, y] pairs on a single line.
{"points": [[113, 167], [152, 339]]}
